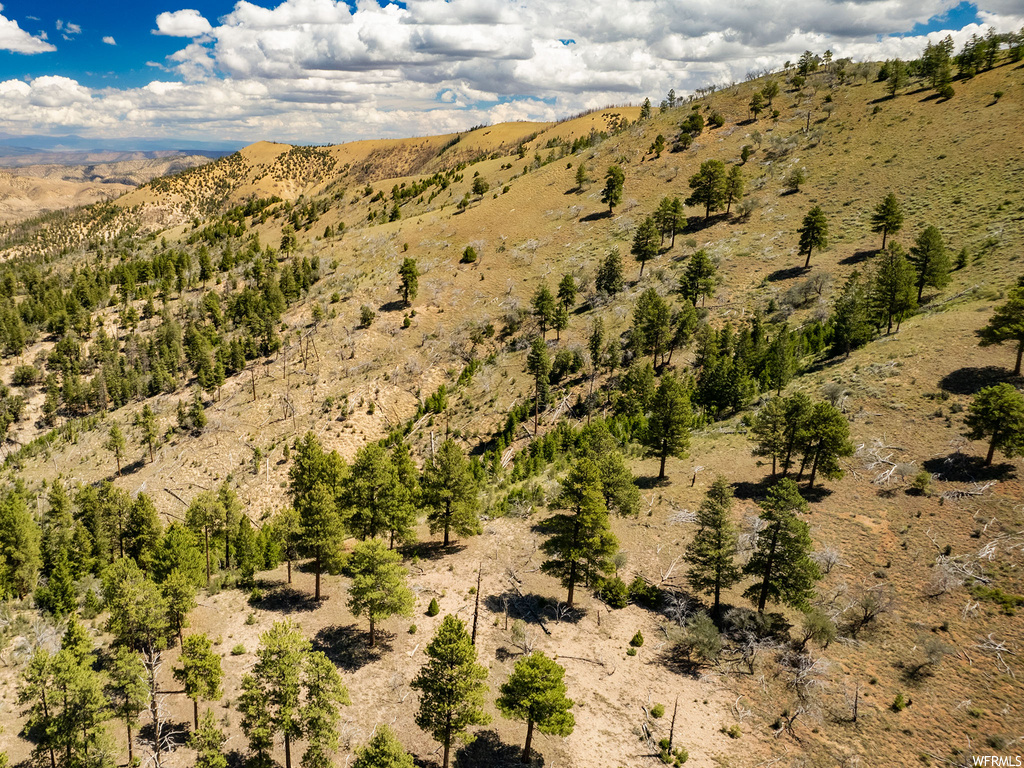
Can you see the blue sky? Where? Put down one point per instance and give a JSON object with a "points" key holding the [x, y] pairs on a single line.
{"points": [[318, 71]]}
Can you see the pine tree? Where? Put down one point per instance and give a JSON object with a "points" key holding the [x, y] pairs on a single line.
{"points": [[998, 414], [138, 611], [708, 186], [535, 692], [651, 330], [116, 444], [146, 422], [609, 279], [781, 561], [712, 552], [372, 494], [36, 690], [813, 233], [208, 742], [1007, 324], [451, 686], [567, 291], [410, 286], [450, 490], [850, 326], [19, 547], [581, 543], [614, 180], [142, 531], [204, 515], [931, 260], [538, 365], [668, 430], [780, 362], [179, 593], [200, 672], [734, 185], [383, 750], [544, 308], [769, 431], [581, 176], [179, 550], [827, 440], [269, 702], [892, 289], [128, 690], [287, 531], [698, 281], [888, 217], [645, 242], [378, 586], [325, 693], [321, 530]]}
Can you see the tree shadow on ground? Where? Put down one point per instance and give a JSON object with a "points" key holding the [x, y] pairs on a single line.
{"points": [[285, 598], [430, 550], [236, 759], [967, 381], [597, 216], [348, 646], [787, 273], [960, 467], [758, 491], [858, 256], [487, 749], [175, 735], [648, 482], [392, 306], [699, 225]]}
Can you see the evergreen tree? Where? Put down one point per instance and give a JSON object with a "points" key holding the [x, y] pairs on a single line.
{"points": [[581, 176], [827, 440], [270, 699], [892, 290], [142, 531], [373, 496], [538, 365], [19, 546], [645, 242], [581, 543], [138, 611], [450, 490], [179, 550], [383, 750], [451, 686], [116, 444], [378, 586], [708, 186], [146, 422], [609, 279], [769, 431], [888, 217], [813, 233], [851, 328], [409, 274], [208, 742], [698, 280], [779, 363], [544, 308], [535, 692], [36, 690], [734, 185], [179, 593], [287, 531], [200, 672], [997, 413], [781, 560], [128, 690], [668, 430], [560, 321], [204, 515], [614, 180], [1007, 324], [325, 693], [248, 553], [567, 291], [651, 330], [931, 260], [712, 552]]}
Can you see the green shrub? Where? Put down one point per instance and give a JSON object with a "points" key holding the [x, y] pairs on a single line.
{"points": [[644, 593], [433, 609], [899, 703], [658, 710], [238, 650], [366, 316], [256, 595], [733, 731], [946, 91], [250, 619], [412, 629], [631, 651], [922, 483], [614, 592], [469, 255], [638, 639]]}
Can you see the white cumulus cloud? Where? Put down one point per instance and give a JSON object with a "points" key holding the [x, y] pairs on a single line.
{"points": [[13, 38], [109, 40], [185, 23]]}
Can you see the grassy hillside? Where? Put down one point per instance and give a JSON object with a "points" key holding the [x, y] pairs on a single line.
{"points": [[933, 576]]}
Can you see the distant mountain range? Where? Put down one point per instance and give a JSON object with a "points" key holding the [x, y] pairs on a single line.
{"points": [[16, 151]]}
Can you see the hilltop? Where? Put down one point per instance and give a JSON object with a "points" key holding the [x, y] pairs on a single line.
{"points": [[341, 356]]}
